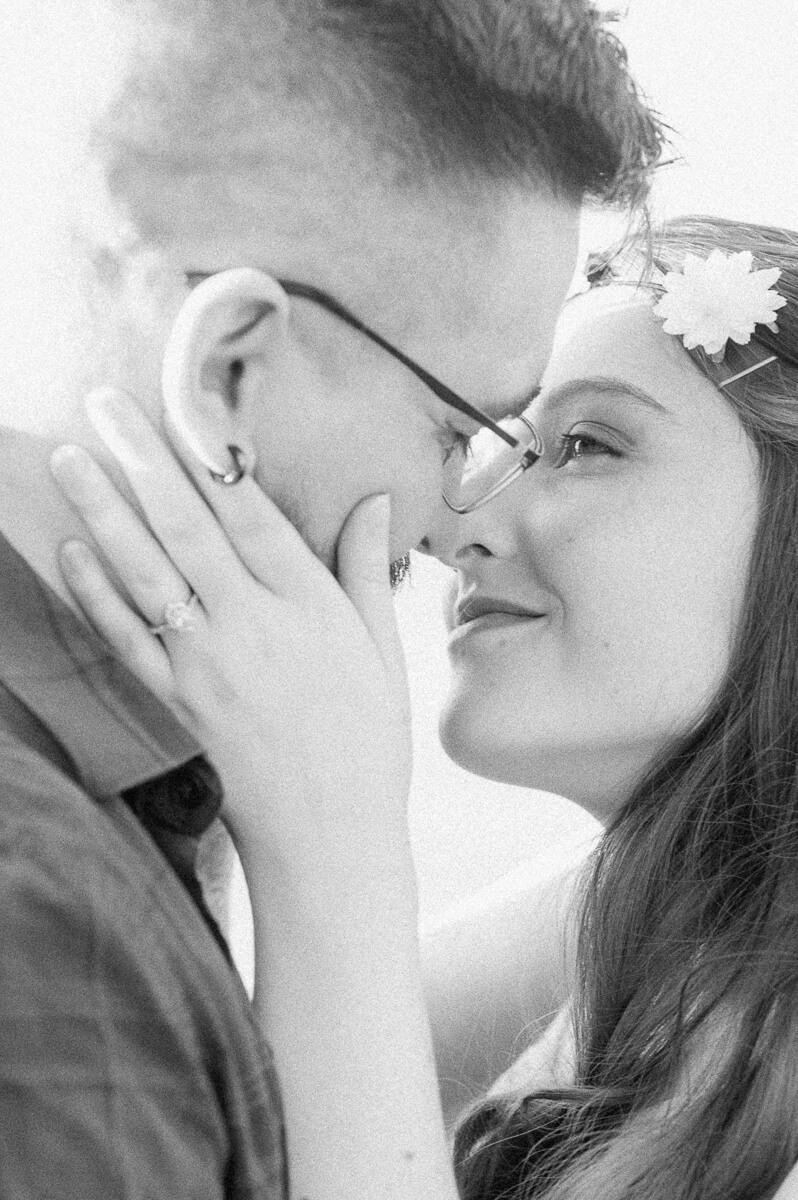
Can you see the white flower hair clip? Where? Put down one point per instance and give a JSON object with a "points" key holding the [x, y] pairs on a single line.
{"points": [[717, 299]]}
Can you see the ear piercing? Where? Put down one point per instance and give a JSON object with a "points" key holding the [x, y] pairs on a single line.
{"points": [[233, 474]]}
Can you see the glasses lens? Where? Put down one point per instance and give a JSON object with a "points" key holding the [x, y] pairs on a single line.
{"points": [[489, 461]]}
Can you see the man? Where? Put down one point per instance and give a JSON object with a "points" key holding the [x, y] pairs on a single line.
{"points": [[421, 164]]}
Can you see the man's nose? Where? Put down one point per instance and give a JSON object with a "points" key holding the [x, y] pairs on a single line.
{"points": [[445, 536]]}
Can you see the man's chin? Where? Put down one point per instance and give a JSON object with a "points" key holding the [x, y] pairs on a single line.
{"points": [[400, 570]]}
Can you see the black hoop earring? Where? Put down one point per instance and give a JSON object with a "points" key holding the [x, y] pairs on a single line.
{"points": [[232, 475]]}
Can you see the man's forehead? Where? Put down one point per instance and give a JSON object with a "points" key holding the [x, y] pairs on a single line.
{"points": [[497, 369], [475, 298], [500, 384]]}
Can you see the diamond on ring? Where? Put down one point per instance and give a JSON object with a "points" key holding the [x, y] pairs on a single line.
{"points": [[178, 617]]}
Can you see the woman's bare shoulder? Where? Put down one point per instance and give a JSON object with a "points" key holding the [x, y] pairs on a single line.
{"points": [[548, 1063], [497, 971]]}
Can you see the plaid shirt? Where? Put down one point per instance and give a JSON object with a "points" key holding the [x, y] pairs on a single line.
{"points": [[130, 1065]]}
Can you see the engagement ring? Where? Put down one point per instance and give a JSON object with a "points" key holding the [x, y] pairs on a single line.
{"points": [[178, 617]]}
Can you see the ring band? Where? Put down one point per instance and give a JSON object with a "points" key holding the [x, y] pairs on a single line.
{"points": [[178, 617]]}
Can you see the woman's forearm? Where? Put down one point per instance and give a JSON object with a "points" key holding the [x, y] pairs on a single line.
{"points": [[293, 682], [341, 1004]]}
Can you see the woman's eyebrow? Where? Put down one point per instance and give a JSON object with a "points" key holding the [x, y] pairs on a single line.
{"points": [[603, 385]]}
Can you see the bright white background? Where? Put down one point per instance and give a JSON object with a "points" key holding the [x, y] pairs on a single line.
{"points": [[724, 75]]}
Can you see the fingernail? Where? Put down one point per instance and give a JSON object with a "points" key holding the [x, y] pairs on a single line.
{"points": [[103, 411], [383, 500], [104, 403], [109, 413], [68, 462], [75, 555], [106, 397]]}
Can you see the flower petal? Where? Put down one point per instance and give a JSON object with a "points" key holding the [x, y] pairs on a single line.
{"points": [[720, 297]]}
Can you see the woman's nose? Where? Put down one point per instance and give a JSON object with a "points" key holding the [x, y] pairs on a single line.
{"points": [[500, 528], [454, 536]]}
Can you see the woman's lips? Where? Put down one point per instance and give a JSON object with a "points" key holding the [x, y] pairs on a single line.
{"points": [[498, 622], [483, 615], [479, 608]]}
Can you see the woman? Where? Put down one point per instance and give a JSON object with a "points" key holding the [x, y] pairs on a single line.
{"points": [[624, 633]]}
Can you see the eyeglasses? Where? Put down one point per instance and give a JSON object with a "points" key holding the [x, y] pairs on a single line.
{"points": [[492, 459]]}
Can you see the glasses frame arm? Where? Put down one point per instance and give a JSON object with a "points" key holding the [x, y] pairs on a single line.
{"points": [[308, 292]]}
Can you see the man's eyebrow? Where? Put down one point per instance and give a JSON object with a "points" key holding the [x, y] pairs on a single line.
{"points": [[604, 385]]}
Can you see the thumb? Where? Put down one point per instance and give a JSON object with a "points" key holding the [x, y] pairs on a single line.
{"points": [[364, 574]]}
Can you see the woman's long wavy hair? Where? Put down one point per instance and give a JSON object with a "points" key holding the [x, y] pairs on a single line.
{"points": [[686, 1007]]}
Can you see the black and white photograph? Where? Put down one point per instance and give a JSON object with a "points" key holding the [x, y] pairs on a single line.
{"points": [[399, 600]]}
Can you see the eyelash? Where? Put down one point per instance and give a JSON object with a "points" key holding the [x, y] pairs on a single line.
{"points": [[568, 442], [455, 442], [458, 442]]}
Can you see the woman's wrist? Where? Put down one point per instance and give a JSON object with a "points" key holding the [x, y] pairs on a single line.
{"points": [[348, 1026], [327, 910], [343, 857]]}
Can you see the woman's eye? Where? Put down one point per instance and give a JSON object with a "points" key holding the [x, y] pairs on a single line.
{"points": [[573, 446]]}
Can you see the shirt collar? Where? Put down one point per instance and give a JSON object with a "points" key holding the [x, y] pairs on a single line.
{"points": [[114, 730]]}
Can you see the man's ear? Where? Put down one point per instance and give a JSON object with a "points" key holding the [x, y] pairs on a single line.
{"points": [[226, 319]]}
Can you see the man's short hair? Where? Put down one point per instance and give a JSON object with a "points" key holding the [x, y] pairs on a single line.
{"points": [[508, 89], [533, 91]]}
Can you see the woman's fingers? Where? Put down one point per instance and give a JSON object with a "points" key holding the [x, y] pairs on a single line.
{"points": [[125, 632], [248, 527], [203, 545], [175, 511], [264, 539], [146, 573]]}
